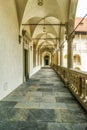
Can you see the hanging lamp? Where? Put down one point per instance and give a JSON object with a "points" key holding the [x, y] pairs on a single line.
{"points": [[44, 27], [40, 2]]}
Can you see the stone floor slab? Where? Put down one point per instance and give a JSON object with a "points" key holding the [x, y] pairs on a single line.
{"points": [[42, 103]]}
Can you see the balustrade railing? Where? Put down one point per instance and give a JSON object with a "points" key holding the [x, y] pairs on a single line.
{"points": [[76, 81]]}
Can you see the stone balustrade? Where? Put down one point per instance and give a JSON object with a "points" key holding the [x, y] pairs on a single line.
{"points": [[76, 81]]}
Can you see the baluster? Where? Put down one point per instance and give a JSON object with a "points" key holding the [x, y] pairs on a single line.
{"points": [[83, 88], [79, 85], [85, 91]]}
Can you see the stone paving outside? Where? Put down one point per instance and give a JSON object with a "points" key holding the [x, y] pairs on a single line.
{"points": [[42, 103]]}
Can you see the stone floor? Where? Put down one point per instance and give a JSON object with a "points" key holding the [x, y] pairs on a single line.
{"points": [[42, 103]]}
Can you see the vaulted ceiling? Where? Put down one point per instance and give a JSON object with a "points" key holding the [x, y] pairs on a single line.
{"points": [[53, 14]]}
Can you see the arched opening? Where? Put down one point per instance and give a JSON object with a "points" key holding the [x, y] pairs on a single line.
{"points": [[77, 68], [77, 59], [46, 60], [65, 60]]}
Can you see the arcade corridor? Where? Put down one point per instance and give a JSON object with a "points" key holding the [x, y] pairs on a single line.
{"points": [[42, 103]]}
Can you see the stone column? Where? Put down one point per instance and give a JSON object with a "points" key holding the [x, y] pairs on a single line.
{"points": [[41, 59], [61, 56], [22, 52], [70, 36], [52, 59], [61, 33], [34, 55], [70, 53], [38, 58], [57, 58]]}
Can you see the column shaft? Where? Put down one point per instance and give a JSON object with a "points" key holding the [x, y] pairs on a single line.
{"points": [[70, 54]]}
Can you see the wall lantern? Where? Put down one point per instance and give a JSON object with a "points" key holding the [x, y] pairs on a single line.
{"points": [[20, 39], [40, 2], [31, 48]]}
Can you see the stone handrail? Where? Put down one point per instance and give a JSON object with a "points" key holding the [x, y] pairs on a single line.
{"points": [[76, 81]]}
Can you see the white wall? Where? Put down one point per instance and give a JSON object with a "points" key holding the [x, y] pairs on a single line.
{"points": [[30, 57], [32, 70], [81, 49], [10, 50]]}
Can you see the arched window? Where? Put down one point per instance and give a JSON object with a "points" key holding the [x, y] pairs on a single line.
{"points": [[77, 59], [77, 68]]}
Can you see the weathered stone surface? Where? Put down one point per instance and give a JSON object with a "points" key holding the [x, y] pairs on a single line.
{"points": [[39, 105]]}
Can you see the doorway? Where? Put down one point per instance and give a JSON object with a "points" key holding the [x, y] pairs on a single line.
{"points": [[46, 60], [26, 74]]}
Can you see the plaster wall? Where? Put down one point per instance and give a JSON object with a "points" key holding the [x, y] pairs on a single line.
{"points": [[32, 70], [10, 49]]}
